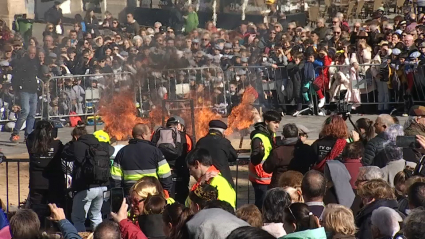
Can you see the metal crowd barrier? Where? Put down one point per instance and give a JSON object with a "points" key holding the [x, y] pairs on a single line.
{"points": [[364, 85], [9, 99], [204, 85], [13, 171], [16, 192], [81, 94]]}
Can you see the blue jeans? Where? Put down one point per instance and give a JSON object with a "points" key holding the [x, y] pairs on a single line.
{"points": [[28, 103], [88, 202], [383, 95]]}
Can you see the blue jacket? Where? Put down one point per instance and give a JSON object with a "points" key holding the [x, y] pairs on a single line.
{"points": [[68, 230]]}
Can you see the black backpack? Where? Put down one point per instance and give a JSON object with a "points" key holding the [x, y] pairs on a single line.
{"points": [[97, 166], [169, 141]]}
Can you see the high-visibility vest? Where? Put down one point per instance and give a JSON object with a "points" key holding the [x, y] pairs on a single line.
{"points": [[256, 173]]}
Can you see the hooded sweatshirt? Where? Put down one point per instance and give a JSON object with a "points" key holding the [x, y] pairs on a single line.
{"points": [[214, 223], [341, 182]]}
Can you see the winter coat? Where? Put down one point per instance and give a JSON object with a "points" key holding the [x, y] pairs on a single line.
{"points": [[353, 166], [151, 226], [130, 231], [25, 71], [76, 151], [213, 223], [372, 149], [46, 170], [322, 147], [279, 160], [391, 169], [222, 152], [363, 218]]}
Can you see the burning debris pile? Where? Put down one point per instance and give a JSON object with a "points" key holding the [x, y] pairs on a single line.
{"points": [[119, 114], [244, 114]]}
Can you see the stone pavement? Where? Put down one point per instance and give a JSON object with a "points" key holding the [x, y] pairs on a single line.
{"points": [[313, 123]]}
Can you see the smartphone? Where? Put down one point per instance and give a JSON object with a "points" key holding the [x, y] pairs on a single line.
{"points": [[116, 196], [407, 142]]}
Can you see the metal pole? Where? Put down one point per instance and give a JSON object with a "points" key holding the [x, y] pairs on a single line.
{"points": [[192, 115], [7, 186], [19, 184], [163, 117]]}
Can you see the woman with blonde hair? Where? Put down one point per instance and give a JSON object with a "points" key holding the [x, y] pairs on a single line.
{"points": [[140, 191], [338, 222]]}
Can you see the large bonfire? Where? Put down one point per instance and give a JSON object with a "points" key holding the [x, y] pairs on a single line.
{"points": [[119, 113]]}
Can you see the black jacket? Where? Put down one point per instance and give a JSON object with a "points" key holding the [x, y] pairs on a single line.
{"points": [[76, 151], [373, 149], [257, 152], [295, 73], [152, 226], [222, 152], [53, 15], [46, 170], [25, 71], [322, 147], [364, 216], [303, 158]]}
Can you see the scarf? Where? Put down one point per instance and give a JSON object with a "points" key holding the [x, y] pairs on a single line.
{"points": [[210, 169], [336, 150]]}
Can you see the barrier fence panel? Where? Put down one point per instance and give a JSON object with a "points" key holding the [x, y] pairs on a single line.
{"points": [[79, 95], [15, 183], [204, 85], [10, 104], [384, 85], [14, 190]]}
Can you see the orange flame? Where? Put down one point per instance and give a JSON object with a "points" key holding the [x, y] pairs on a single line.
{"points": [[243, 115], [119, 115]]}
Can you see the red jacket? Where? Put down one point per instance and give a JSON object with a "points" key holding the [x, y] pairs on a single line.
{"points": [[353, 166], [130, 231]]}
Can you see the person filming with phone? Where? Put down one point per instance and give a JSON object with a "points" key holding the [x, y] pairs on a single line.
{"points": [[415, 126]]}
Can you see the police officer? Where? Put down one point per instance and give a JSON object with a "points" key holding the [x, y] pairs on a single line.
{"points": [[220, 148]]}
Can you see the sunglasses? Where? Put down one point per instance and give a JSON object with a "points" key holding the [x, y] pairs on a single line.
{"points": [[337, 32], [50, 28], [137, 202], [334, 22], [114, 22], [205, 39]]}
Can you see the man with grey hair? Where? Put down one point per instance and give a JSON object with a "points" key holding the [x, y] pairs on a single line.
{"points": [[385, 222], [414, 225], [375, 146], [321, 29], [367, 173], [393, 155]]}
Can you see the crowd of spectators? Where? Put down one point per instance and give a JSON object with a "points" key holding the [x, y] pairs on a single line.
{"points": [[291, 66], [358, 184], [350, 197]]}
